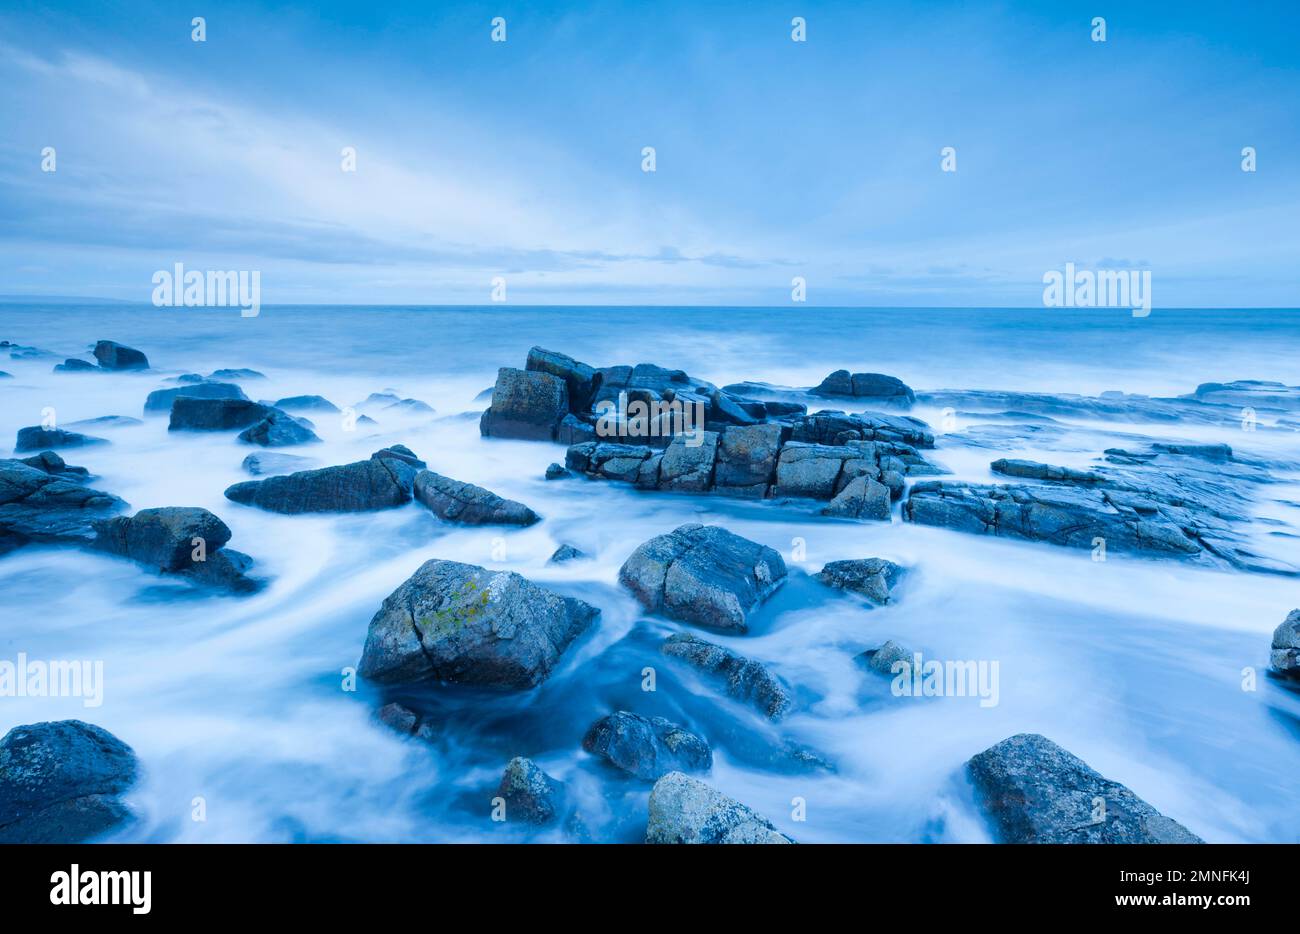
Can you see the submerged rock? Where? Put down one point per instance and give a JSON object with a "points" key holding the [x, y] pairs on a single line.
{"points": [[882, 658], [1035, 471], [40, 507], [685, 810], [382, 482], [236, 373], [647, 747], [1034, 791], [61, 781], [114, 356], [556, 472], [887, 390], [404, 720], [874, 578], [1285, 656], [186, 541], [565, 553], [272, 463], [747, 680], [455, 501], [704, 575], [464, 624], [37, 438], [278, 430], [530, 794], [73, 365]]}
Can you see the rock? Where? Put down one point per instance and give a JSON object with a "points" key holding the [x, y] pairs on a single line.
{"points": [[383, 481], [194, 413], [463, 624], [55, 466], [556, 472], [39, 507], [861, 498], [186, 541], [704, 575], [379, 398], [455, 501], [36, 438], [1285, 657], [882, 658], [566, 553], [237, 373], [647, 747], [160, 400], [1034, 791], [747, 457], [273, 463], [834, 427], [888, 390], [581, 381], [278, 430], [874, 578], [746, 680], [1036, 471], [1211, 452], [530, 794], [406, 721], [810, 470], [609, 460], [411, 406], [685, 810], [306, 404], [106, 421], [687, 467], [525, 404], [114, 356], [73, 365], [60, 782]]}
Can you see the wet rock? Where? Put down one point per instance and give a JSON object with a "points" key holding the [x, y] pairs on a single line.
{"points": [[874, 578], [746, 458], [463, 624], [687, 463], [278, 430], [861, 498], [685, 810], [61, 781], [525, 404], [608, 460], [581, 381], [36, 438], [106, 421], [306, 404], [1035, 471], [566, 553], [194, 413], [383, 481], [1250, 393], [186, 541], [556, 472], [530, 794], [410, 407], [879, 388], [1211, 452], [73, 365], [835, 427], [39, 507], [747, 681], [160, 400], [647, 747], [704, 575], [55, 466], [274, 463], [1285, 657], [406, 721], [1033, 791], [882, 658], [236, 373], [455, 501], [114, 356]]}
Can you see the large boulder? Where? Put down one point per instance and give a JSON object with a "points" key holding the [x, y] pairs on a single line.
{"points": [[278, 430], [187, 541], [703, 574], [38, 438], [647, 747], [1285, 656], [160, 400], [60, 782], [114, 356], [383, 481], [746, 680], [873, 578], [685, 810], [41, 507], [879, 388], [582, 381], [861, 498], [746, 461], [194, 413], [468, 625], [687, 465], [455, 501], [1034, 791], [526, 404]]}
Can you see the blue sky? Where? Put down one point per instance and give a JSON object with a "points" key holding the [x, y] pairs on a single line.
{"points": [[775, 159]]}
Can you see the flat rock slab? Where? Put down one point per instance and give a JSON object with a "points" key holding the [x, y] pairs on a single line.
{"points": [[703, 574], [685, 810], [467, 625], [1034, 791]]}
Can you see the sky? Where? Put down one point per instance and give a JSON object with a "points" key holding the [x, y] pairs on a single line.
{"points": [[523, 160]]}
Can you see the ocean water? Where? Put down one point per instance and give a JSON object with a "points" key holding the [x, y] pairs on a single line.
{"points": [[237, 708]]}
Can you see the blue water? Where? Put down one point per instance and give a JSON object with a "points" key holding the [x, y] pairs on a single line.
{"points": [[1134, 665]]}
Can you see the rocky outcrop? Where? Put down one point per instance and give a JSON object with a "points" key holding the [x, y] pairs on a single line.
{"points": [[455, 501], [647, 747], [525, 404], [185, 541], [1033, 791], [383, 481], [37, 438], [556, 472], [1285, 655], [464, 624], [61, 782], [704, 575], [41, 507], [873, 578], [746, 680], [685, 810], [160, 400], [114, 356], [278, 430], [879, 388]]}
